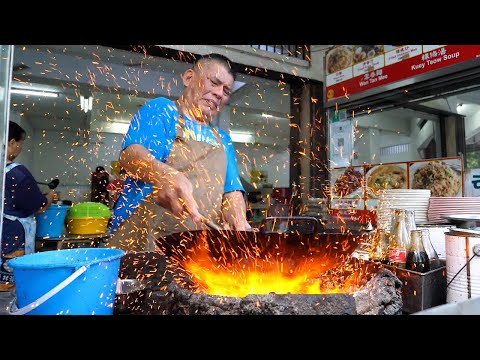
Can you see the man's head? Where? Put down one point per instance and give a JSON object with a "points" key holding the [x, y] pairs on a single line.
{"points": [[16, 137], [208, 86]]}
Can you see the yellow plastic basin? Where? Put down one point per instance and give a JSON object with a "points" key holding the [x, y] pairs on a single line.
{"points": [[87, 226]]}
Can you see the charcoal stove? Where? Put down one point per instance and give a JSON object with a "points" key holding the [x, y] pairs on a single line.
{"points": [[337, 283]]}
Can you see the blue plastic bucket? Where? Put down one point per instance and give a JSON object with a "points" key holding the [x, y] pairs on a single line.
{"points": [[50, 223], [66, 282]]}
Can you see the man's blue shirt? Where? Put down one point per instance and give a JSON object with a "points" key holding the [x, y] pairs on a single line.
{"points": [[154, 127]]}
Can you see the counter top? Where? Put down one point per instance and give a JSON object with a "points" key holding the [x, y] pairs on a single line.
{"points": [[69, 241], [67, 237]]}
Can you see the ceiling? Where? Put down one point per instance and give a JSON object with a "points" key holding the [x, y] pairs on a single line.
{"points": [[121, 82]]}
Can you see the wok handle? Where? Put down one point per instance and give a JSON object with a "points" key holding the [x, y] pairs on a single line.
{"points": [[292, 219], [211, 224]]}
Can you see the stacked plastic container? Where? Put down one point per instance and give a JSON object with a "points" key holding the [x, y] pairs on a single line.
{"points": [[88, 218]]}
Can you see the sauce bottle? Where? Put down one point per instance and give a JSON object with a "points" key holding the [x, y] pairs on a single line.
{"points": [[379, 252], [417, 258], [399, 238]]}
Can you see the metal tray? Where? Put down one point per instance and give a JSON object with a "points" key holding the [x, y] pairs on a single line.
{"points": [[421, 291], [464, 217], [464, 221]]}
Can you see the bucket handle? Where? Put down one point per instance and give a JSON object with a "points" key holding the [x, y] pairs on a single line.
{"points": [[476, 252], [13, 310]]}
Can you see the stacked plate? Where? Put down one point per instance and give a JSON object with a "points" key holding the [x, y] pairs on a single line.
{"points": [[412, 199], [440, 207]]}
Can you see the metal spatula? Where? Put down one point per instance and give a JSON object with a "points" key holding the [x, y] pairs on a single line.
{"points": [[211, 224]]}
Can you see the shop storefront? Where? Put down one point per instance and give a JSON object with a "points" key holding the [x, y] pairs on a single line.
{"points": [[408, 107]]}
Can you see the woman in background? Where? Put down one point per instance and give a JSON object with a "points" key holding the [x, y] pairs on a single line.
{"points": [[100, 181], [23, 199]]}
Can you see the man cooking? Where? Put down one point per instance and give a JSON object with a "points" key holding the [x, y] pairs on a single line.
{"points": [[181, 169]]}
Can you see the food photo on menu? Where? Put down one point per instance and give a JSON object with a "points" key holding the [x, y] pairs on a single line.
{"points": [[442, 177], [387, 176], [348, 182], [366, 52], [339, 58]]}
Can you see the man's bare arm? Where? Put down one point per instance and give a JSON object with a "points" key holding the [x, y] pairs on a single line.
{"points": [[234, 211], [52, 196], [172, 190]]}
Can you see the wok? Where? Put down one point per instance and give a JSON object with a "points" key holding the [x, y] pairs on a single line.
{"points": [[228, 247]]}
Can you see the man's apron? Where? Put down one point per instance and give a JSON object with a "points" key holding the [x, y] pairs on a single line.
{"points": [[29, 223], [205, 166]]}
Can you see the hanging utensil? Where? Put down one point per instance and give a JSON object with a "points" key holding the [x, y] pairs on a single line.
{"points": [[52, 184]]}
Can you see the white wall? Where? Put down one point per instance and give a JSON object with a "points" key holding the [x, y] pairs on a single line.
{"points": [[472, 123], [268, 95], [384, 129], [71, 157], [66, 155], [389, 139], [105, 71], [366, 148], [26, 156], [275, 161], [388, 120], [422, 137]]}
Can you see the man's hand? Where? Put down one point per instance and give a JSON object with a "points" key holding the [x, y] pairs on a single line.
{"points": [[174, 192], [171, 189], [234, 211], [52, 197], [55, 196]]}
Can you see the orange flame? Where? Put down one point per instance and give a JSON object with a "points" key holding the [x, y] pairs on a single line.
{"points": [[253, 275]]}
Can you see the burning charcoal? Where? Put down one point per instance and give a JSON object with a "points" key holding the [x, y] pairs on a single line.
{"points": [[184, 302], [381, 296], [299, 304], [293, 275]]}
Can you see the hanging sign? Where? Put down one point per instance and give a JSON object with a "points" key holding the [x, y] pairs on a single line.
{"points": [[351, 69]]}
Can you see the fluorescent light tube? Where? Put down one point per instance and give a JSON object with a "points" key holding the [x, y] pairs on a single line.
{"points": [[86, 103], [241, 137], [34, 92], [114, 127]]}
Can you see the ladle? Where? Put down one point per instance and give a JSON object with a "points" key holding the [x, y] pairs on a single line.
{"points": [[52, 184]]}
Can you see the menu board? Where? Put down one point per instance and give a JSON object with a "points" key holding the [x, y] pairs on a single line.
{"points": [[351, 69], [358, 187]]}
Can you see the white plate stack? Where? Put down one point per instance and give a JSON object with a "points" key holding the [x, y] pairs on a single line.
{"points": [[440, 207], [412, 199]]}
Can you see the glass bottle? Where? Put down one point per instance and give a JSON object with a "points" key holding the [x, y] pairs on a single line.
{"points": [[430, 250], [410, 220], [399, 239], [379, 251], [417, 258]]}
